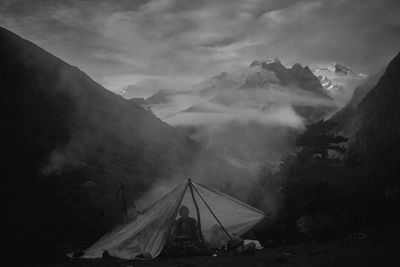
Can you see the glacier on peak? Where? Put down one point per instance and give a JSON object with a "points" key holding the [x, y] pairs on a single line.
{"points": [[338, 69], [339, 80]]}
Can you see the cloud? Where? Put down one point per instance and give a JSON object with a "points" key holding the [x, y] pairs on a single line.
{"points": [[142, 85], [268, 107], [245, 127], [284, 116], [172, 38]]}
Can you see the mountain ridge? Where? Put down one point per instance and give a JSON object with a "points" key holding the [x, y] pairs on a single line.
{"points": [[380, 114], [371, 119]]}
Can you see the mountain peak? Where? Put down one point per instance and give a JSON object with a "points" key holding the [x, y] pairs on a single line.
{"points": [[297, 75], [338, 69], [297, 67], [255, 64], [370, 120], [272, 60], [267, 63], [344, 70]]}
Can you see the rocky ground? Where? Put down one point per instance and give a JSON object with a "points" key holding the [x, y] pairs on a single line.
{"points": [[357, 249]]}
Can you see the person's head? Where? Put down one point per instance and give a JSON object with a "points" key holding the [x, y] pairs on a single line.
{"points": [[184, 211]]}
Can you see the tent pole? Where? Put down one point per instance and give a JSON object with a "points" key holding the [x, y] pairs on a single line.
{"points": [[124, 202], [179, 203], [197, 210], [124, 198], [213, 214]]}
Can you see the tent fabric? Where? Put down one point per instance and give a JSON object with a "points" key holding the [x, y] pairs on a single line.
{"points": [[236, 216], [147, 235]]}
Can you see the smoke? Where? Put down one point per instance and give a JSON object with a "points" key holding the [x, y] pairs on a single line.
{"points": [[271, 106], [158, 189], [238, 130], [245, 127], [221, 115]]}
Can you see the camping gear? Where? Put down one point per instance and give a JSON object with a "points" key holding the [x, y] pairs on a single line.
{"points": [[147, 235], [256, 242]]}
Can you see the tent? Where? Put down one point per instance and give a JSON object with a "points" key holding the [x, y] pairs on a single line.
{"points": [[147, 234]]}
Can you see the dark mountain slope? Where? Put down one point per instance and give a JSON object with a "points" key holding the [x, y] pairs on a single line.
{"points": [[358, 187], [67, 143], [371, 119], [68, 117], [379, 133], [344, 117]]}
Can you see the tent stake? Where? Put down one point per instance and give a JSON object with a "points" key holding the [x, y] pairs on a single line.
{"points": [[213, 214], [197, 210]]}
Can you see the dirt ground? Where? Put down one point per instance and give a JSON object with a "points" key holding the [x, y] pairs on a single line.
{"points": [[336, 253]]}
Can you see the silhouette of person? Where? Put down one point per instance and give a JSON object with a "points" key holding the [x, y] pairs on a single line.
{"points": [[186, 227]]}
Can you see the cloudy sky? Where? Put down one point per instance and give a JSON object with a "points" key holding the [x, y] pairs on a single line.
{"points": [[154, 44]]}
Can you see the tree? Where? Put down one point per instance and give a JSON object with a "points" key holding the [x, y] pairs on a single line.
{"points": [[310, 175], [317, 141]]}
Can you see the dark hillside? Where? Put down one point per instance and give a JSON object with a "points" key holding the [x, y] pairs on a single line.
{"points": [[345, 117], [67, 143], [379, 134], [329, 189], [371, 120]]}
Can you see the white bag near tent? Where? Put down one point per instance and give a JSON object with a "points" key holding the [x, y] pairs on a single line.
{"points": [[148, 233], [256, 242]]}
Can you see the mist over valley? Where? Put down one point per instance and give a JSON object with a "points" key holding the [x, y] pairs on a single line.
{"points": [[113, 114]]}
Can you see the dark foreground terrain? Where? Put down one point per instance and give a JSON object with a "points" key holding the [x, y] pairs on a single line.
{"points": [[357, 249]]}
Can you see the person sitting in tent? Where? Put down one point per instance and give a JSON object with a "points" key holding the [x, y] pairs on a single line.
{"points": [[185, 231]]}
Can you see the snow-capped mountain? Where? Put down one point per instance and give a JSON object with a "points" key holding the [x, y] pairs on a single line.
{"points": [[331, 87], [339, 81], [250, 115], [265, 83], [339, 70], [266, 74]]}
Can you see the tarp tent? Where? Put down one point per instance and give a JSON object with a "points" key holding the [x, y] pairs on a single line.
{"points": [[148, 233]]}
